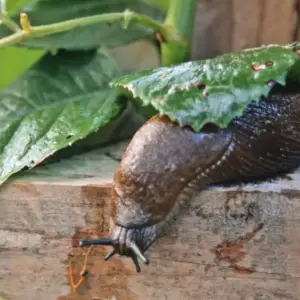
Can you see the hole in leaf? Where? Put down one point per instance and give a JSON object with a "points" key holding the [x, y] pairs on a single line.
{"points": [[200, 86], [269, 63], [262, 66], [257, 68], [69, 136]]}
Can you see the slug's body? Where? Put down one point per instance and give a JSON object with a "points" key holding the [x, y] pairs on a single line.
{"points": [[163, 160]]}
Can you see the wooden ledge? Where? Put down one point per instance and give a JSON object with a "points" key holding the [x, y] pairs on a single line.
{"points": [[238, 242]]}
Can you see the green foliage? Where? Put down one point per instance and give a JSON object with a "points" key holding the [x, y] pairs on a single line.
{"points": [[214, 90], [58, 95], [181, 15], [45, 12], [162, 4], [51, 104], [57, 102], [13, 6], [15, 60]]}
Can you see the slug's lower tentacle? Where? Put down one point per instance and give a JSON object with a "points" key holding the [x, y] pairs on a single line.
{"points": [[125, 241]]}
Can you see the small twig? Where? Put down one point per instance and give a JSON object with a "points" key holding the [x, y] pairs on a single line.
{"points": [[82, 274], [13, 26], [12, 39], [30, 32]]}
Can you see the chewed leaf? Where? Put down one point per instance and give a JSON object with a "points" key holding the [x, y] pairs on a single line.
{"points": [[213, 90]]}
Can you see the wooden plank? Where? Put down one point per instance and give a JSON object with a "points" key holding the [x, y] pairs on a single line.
{"points": [[238, 242], [278, 22], [246, 22], [212, 31], [231, 25], [261, 22]]}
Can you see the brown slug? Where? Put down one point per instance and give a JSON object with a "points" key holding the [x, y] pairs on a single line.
{"points": [[164, 160]]}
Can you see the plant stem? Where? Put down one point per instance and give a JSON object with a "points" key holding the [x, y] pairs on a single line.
{"points": [[3, 6], [170, 34], [9, 23], [181, 15]]}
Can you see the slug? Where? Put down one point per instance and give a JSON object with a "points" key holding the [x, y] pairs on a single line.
{"points": [[164, 161]]}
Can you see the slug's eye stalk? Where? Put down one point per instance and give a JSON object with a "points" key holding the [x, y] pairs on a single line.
{"points": [[124, 242]]}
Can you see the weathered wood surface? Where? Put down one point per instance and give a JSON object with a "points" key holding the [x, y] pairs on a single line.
{"points": [[231, 25], [238, 243]]}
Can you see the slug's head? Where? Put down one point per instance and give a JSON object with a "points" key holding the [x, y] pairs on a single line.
{"points": [[130, 242]]}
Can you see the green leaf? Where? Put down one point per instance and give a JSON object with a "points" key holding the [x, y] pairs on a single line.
{"points": [[15, 61], [46, 12], [13, 6], [214, 90], [57, 102], [162, 4]]}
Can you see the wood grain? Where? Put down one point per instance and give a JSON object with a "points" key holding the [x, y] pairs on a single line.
{"points": [[278, 22], [246, 24], [238, 242], [231, 25], [212, 31]]}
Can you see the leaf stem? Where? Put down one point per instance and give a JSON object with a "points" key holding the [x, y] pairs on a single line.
{"points": [[181, 15], [12, 25], [3, 6], [31, 32], [12, 39]]}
